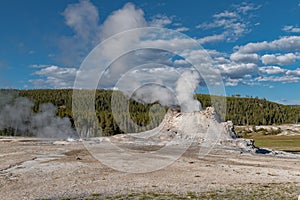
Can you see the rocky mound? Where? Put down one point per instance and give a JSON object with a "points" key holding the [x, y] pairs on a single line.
{"points": [[202, 128], [179, 127]]}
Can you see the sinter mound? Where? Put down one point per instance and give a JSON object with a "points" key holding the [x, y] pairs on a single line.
{"points": [[202, 128]]}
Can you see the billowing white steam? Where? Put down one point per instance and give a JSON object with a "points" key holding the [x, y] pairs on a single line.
{"points": [[19, 118], [185, 87], [180, 92]]}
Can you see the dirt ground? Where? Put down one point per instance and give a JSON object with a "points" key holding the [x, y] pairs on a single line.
{"points": [[35, 169]]}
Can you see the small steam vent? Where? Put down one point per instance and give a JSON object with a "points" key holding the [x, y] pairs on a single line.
{"points": [[175, 108]]}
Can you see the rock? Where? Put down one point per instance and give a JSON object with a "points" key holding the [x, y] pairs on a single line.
{"points": [[199, 127]]}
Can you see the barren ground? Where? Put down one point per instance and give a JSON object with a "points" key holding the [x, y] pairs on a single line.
{"points": [[33, 169]]}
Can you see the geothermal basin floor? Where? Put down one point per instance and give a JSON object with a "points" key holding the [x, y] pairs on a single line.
{"points": [[36, 169]]}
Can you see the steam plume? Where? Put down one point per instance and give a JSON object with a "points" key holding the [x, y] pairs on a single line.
{"points": [[182, 93], [19, 118], [186, 85]]}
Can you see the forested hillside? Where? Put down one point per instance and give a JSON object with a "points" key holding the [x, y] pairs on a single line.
{"points": [[255, 111], [242, 111]]}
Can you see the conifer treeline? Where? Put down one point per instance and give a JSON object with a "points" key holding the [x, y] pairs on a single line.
{"points": [[242, 111]]}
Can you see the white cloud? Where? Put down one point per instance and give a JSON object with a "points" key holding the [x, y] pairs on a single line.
{"points": [[291, 29], [126, 18], [83, 18], [283, 79], [182, 63], [173, 43], [233, 28], [181, 29], [237, 70], [246, 7], [234, 24], [272, 70], [244, 58], [287, 43], [232, 82], [120, 20], [295, 72], [221, 60], [226, 14], [278, 74], [285, 59], [77, 17], [214, 53], [151, 73], [290, 44], [160, 21], [55, 76], [38, 66], [212, 39], [164, 21]]}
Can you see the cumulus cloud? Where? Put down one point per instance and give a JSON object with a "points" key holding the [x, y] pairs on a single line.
{"points": [[244, 58], [243, 63], [237, 70], [55, 76], [271, 70], [126, 18], [283, 79], [172, 43], [83, 19], [287, 43], [232, 82], [130, 70], [285, 59], [290, 44], [295, 72]]}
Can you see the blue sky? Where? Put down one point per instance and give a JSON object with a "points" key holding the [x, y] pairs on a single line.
{"points": [[254, 44]]}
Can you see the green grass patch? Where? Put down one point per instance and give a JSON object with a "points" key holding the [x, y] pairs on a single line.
{"points": [[282, 143]]}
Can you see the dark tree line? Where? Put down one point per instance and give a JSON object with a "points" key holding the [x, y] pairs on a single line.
{"points": [[242, 111], [255, 111]]}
